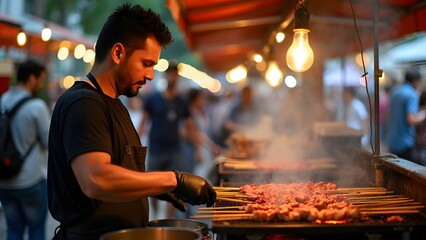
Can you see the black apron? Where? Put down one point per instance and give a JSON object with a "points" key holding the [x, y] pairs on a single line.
{"points": [[112, 216]]}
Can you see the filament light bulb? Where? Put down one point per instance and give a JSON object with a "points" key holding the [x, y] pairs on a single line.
{"points": [[300, 56], [273, 74]]}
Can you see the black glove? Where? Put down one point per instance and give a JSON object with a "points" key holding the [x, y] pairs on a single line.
{"points": [[194, 190], [173, 199]]}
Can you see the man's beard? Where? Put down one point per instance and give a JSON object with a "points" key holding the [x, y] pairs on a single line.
{"points": [[129, 92]]}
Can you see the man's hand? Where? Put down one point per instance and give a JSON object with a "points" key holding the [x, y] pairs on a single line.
{"points": [[173, 199], [194, 190]]}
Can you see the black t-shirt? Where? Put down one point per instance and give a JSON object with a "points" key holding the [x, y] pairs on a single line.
{"points": [[83, 122]]}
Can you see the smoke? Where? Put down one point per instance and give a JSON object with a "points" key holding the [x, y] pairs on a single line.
{"points": [[300, 145]]}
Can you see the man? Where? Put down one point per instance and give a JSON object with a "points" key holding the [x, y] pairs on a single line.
{"points": [[355, 113], [245, 114], [167, 111], [24, 197], [96, 170], [403, 115]]}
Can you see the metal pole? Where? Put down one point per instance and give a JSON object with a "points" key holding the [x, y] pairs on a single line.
{"points": [[377, 75]]}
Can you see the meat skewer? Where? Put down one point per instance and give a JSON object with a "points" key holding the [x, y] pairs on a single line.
{"points": [[305, 202]]}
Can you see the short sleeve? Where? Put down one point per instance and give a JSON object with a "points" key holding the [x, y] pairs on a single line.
{"points": [[88, 129]]}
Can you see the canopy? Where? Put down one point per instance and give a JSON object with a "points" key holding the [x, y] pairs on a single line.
{"points": [[227, 32]]}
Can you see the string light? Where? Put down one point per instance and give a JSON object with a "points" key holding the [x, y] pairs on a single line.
{"points": [[21, 38], [46, 33], [279, 37], [79, 51], [273, 74]]}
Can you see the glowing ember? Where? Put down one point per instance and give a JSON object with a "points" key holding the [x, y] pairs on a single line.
{"points": [[331, 221]]}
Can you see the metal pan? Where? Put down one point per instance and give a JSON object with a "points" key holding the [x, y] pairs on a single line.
{"points": [[183, 223], [153, 233]]}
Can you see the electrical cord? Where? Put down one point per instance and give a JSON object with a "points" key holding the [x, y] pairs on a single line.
{"points": [[364, 75]]}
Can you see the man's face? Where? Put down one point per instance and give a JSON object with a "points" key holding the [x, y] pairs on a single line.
{"points": [[137, 68]]}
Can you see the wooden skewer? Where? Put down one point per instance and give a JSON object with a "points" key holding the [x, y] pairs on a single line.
{"points": [[217, 188], [360, 203], [231, 194], [392, 208], [213, 216], [387, 203], [232, 200], [221, 212], [232, 218], [360, 189], [363, 198], [364, 193], [378, 199], [219, 208], [389, 212]]}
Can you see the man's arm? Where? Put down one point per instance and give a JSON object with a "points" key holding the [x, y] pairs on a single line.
{"points": [[99, 179], [415, 119], [194, 137]]}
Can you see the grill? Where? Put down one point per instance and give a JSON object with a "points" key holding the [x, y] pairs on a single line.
{"points": [[400, 176], [413, 223], [375, 226]]}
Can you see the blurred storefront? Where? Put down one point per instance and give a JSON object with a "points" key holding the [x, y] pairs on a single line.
{"points": [[64, 52]]}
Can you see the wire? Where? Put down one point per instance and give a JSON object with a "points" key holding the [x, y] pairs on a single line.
{"points": [[364, 75]]}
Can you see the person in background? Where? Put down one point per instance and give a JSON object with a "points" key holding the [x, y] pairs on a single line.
{"points": [[199, 164], [24, 197], [383, 113], [97, 181], [219, 113], [245, 113], [420, 145], [170, 117], [208, 149], [355, 113], [403, 115], [135, 108]]}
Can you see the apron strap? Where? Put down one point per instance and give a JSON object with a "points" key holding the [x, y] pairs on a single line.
{"points": [[93, 80]]}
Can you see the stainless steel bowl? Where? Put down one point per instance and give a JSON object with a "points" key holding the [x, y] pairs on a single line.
{"points": [[153, 233]]}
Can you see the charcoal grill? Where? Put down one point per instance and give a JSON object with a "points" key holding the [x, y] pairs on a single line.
{"points": [[399, 175], [412, 228]]}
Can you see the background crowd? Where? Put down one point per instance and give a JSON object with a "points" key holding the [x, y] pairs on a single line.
{"points": [[187, 128]]}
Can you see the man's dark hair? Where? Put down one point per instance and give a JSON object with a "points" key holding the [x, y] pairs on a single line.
{"points": [[27, 68], [412, 75], [131, 26]]}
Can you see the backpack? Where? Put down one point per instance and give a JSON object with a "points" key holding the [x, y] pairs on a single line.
{"points": [[10, 159]]}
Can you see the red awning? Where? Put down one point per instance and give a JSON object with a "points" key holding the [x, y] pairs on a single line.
{"points": [[227, 32], [10, 27]]}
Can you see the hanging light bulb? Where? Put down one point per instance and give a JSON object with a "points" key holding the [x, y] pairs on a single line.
{"points": [[257, 58], [273, 74], [21, 38], [46, 33], [279, 37], [300, 56], [236, 74]]}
